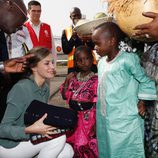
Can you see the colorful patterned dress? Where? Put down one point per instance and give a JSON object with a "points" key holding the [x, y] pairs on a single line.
{"points": [[83, 94]]}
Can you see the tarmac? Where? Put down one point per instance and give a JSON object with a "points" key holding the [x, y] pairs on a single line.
{"points": [[55, 96]]}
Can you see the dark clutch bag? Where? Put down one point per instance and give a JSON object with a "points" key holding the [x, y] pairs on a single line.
{"points": [[59, 117], [63, 118]]}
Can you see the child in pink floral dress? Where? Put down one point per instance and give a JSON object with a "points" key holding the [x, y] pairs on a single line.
{"points": [[80, 92]]}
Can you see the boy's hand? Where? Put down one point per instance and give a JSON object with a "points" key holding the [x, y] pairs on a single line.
{"points": [[141, 108]]}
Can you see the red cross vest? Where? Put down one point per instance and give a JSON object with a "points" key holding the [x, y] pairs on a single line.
{"points": [[45, 37]]}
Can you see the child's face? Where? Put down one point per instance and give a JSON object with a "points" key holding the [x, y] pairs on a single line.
{"points": [[45, 68], [102, 41], [84, 61]]}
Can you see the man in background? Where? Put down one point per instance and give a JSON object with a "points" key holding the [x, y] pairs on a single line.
{"points": [[40, 33], [70, 39]]}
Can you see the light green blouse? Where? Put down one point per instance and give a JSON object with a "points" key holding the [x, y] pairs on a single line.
{"points": [[21, 95], [122, 82]]}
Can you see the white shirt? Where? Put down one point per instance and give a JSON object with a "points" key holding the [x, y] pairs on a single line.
{"points": [[36, 28], [17, 39]]}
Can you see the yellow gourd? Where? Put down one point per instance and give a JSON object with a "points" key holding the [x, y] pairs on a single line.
{"points": [[128, 13]]}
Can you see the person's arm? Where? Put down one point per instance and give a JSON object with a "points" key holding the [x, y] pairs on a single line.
{"points": [[67, 45], [147, 88], [10, 128], [63, 90], [65, 85], [149, 29], [16, 65], [15, 108]]}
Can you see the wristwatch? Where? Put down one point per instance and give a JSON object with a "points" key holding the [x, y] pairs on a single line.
{"points": [[1, 66]]}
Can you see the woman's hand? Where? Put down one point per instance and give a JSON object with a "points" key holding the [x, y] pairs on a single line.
{"points": [[141, 108], [40, 128]]}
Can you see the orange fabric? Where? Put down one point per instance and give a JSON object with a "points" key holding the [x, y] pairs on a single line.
{"points": [[70, 62], [68, 32], [45, 37]]}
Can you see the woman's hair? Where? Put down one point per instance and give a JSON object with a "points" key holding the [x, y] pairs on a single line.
{"points": [[39, 54], [113, 30], [86, 49]]}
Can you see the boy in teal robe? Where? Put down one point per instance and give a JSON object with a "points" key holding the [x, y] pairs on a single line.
{"points": [[123, 87]]}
